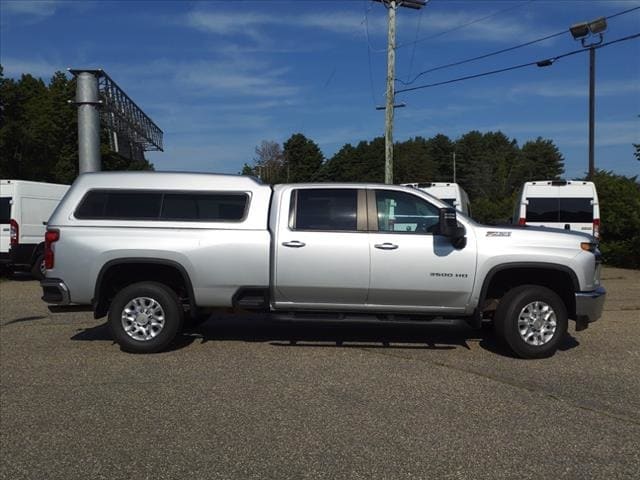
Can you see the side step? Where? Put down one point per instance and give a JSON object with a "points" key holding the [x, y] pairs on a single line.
{"points": [[251, 298], [330, 317]]}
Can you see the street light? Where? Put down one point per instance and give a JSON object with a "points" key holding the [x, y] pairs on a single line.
{"points": [[585, 32]]}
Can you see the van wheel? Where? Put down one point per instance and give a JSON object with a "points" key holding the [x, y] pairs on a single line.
{"points": [[37, 269], [145, 317], [532, 321]]}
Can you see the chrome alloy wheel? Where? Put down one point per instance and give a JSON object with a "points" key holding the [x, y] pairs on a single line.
{"points": [[142, 318], [537, 323]]}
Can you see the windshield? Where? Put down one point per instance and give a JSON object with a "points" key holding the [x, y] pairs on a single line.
{"points": [[5, 209]]}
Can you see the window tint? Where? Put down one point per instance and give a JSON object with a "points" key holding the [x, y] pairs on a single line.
{"points": [[204, 207], [542, 210], [133, 205], [326, 209], [577, 210], [565, 210], [450, 201], [401, 212], [5, 209], [103, 204], [92, 206]]}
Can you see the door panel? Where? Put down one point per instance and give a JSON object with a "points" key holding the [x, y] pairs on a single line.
{"points": [[322, 247], [329, 268], [410, 265]]}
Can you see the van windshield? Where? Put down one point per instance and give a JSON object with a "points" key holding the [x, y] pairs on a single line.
{"points": [[565, 210], [5, 209]]}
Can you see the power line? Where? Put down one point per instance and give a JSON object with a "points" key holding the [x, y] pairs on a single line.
{"points": [[504, 50], [413, 50], [464, 25], [546, 61], [480, 57]]}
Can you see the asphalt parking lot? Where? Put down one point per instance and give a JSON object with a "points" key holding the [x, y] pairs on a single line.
{"points": [[246, 398]]}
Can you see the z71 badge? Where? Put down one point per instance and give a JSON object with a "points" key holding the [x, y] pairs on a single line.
{"points": [[498, 234]]}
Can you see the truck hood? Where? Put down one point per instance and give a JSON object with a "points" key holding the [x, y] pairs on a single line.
{"points": [[535, 236]]}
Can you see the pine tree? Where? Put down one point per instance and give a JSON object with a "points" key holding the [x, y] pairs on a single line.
{"points": [[302, 159]]}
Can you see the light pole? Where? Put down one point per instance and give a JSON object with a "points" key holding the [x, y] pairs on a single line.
{"points": [[585, 32]]}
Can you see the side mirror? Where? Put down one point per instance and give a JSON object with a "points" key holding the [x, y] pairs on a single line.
{"points": [[449, 227]]}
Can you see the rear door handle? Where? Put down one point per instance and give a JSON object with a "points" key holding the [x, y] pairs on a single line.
{"points": [[386, 246], [294, 244]]}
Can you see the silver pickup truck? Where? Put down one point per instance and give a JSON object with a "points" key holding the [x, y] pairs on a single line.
{"points": [[148, 249]]}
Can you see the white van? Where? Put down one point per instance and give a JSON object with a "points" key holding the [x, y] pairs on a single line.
{"points": [[451, 193], [25, 208], [567, 204]]}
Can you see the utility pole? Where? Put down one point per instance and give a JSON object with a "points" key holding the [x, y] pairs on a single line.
{"points": [[454, 167], [391, 77], [392, 5], [592, 109]]}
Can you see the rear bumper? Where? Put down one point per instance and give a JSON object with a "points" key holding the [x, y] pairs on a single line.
{"points": [[55, 291], [19, 256], [589, 305]]}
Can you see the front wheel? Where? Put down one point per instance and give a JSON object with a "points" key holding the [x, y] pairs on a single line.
{"points": [[532, 321], [145, 317]]}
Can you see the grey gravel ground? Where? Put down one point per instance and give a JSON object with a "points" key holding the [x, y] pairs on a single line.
{"points": [[245, 398]]}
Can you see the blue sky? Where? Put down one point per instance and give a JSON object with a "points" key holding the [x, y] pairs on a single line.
{"points": [[221, 76]]}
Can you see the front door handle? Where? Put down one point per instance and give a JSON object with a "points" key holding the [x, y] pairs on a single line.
{"points": [[294, 244], [386, 246]]}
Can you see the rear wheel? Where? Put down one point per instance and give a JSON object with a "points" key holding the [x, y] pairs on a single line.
{"points": [[532, 321], [145, 317], [37, 269]]}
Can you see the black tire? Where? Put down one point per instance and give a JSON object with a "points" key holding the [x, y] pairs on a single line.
{"points": [[508, 311], [37, 270], [170, 305]]}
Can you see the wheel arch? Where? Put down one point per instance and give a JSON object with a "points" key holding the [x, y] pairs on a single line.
{"points": [[101, 300], [509, 275]]}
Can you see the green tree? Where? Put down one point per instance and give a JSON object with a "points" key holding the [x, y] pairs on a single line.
{"points": [[619, 202], [38, 132], [486, 170], [540, 160], [637, 152], [362, 163], [412, 161], [302, 159]]}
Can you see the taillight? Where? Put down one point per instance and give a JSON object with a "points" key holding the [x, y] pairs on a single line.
{"points": [[49, 238], [522, 221], [14, 233], [596, 228]]}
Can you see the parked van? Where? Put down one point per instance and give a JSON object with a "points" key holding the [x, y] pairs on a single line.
{"points": [[450, 193], [567, 204], [25, 208]]}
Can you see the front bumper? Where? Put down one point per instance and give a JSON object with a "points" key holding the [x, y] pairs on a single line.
{"points": [[55, 291], [589, 305]]}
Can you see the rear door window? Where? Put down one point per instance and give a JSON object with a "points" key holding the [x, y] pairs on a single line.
{"points": [[576, 210], [329, 209], [564, 210], [5, 209]]}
